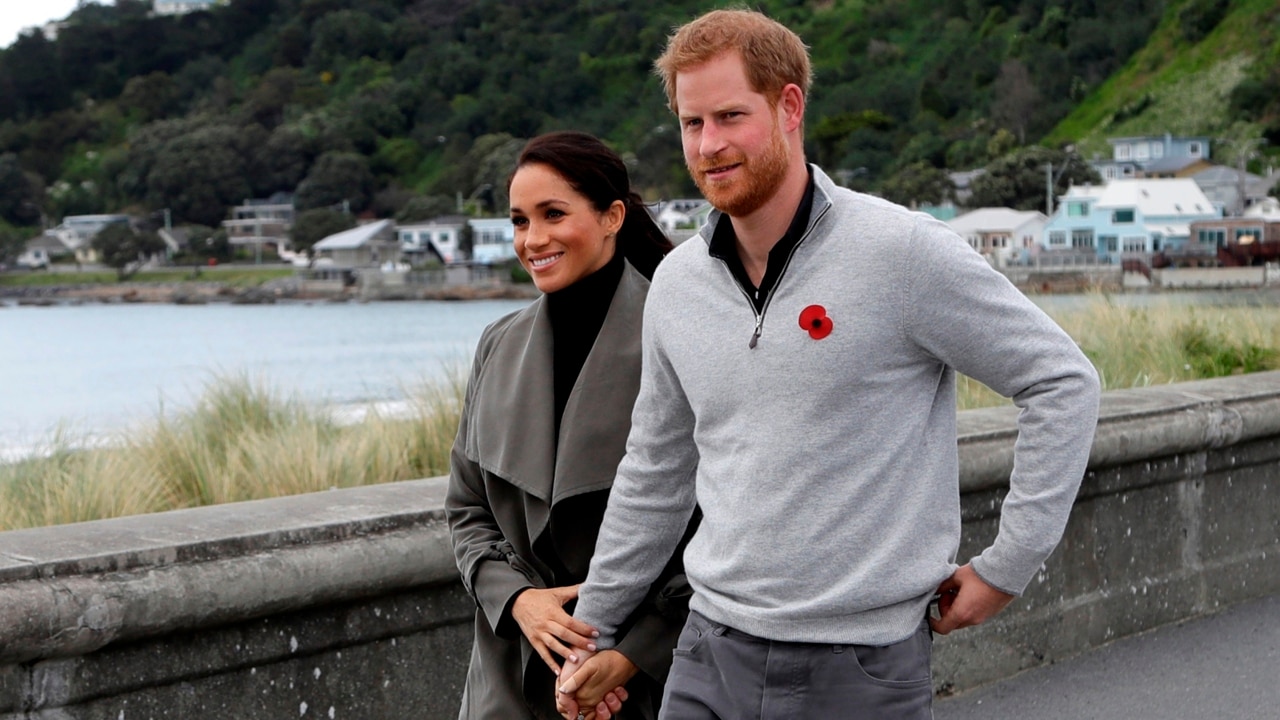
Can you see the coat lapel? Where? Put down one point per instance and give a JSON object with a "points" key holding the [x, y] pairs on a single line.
{"points": [[597, 417], [513, 424]]}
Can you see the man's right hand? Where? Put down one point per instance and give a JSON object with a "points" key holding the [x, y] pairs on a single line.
{"points": [[552, 631]]}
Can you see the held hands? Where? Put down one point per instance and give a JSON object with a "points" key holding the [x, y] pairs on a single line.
{"points": [[550, 630], [591, 687], [965, 600]]}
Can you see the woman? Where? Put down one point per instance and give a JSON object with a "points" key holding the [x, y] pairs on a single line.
{"points": [[544, 425]]}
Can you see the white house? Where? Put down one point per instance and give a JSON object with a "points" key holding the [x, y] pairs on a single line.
{"points": [[77, 232], [181, 7], [362, 246], [440, 237], [1267, 209], [492, 240], [1003, 235], [261, 222]]}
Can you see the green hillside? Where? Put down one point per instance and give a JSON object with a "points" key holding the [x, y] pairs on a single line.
{"points": [[1194, 77], [405, 106]]}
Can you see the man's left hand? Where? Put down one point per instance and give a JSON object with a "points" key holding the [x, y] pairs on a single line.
{"points": [[964, 599]]}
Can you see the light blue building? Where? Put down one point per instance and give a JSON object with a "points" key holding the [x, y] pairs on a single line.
{"points": [[1154, 156], [1127, 218]]}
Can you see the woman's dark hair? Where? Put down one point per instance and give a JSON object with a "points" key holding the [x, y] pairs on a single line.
{"points": [[595, 171]]}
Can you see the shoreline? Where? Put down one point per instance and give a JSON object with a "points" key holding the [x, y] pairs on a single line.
{"points": [[207, 292]]}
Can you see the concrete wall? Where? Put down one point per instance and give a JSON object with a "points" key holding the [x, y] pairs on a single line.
{"points": [[1226, 277], [346, 604]]}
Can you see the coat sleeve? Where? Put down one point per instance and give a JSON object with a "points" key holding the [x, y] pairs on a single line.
{"points": [[492, 572]]}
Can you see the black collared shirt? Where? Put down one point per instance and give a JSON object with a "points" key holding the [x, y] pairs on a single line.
{"points": [[724, 245]]}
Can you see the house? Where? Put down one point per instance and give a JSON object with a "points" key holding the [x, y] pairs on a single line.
{"points": [[261, 222], [679, 213], [1223, 185], [1002, 235], [42, 250], [680, 218], [440, 238], [78, 231], [963, 182], [1128, 219], [492, 240], [1154, 156], [1266, 208], [1248, 240], [365, 245], [182, 7]]}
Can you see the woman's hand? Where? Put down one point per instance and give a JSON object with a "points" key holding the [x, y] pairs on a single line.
{"points": [[550, 630], [596, 688]]}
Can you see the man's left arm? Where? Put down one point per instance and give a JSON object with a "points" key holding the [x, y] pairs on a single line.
{"points": [[973, 319]]}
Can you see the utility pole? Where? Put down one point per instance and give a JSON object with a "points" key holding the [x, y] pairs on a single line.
{"points": [[1048, 189]]}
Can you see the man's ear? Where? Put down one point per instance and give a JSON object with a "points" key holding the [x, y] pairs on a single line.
{"points": [[791, 107]]}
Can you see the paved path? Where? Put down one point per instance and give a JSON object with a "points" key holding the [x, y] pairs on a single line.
{"points": [[1223, 667]]}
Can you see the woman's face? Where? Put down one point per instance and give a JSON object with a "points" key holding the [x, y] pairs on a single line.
{"points": [[560, 237]]}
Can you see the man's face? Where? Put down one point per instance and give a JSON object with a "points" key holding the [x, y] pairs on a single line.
{"points": [[733, 141]]}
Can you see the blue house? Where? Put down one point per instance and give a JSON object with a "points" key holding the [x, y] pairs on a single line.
{"points": [[1154, 156], [1127, 219]]}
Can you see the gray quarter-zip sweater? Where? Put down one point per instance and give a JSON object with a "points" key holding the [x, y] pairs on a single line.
{"points": [[824, 457]]}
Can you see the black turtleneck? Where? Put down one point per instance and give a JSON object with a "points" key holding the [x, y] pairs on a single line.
{"points": [[577, 314]]}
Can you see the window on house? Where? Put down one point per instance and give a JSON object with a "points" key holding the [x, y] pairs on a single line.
{"points": [[1122, 216], [1077, 209], [1082, 238], [1193, 149], [1141, 151], [1110, 243], [1109, 172], [1135, 244], [1244, 236], [1211, 236], [1122, 151], [1058, 238]]}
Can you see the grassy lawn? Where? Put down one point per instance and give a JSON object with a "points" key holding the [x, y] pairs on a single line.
{"points": [[234, 276]]}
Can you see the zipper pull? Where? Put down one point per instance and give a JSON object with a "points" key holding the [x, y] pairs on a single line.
{"points": [[756, 336]]}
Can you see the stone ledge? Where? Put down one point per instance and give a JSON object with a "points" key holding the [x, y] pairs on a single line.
{"points": [[1141, 423], [81, 587]]}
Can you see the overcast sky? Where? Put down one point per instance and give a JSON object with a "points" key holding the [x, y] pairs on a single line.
{"points": [[18, 14]]}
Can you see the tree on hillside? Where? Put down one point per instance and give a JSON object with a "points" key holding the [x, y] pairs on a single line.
{"points": [[13, 242], [125, 249], [312, 226], [199, 175], [425, 207], [918, 183], [19, 193], [1017, 180], [335, 178], [1016, 97]]}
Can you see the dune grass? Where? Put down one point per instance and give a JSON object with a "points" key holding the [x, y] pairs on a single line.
{"points": [[1164, 343], [243, 441]]}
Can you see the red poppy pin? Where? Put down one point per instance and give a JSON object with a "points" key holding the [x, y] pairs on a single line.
{"points": [[814, 319]]}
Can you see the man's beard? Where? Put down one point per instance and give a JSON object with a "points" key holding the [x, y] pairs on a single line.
{"points": [[758, 179]]}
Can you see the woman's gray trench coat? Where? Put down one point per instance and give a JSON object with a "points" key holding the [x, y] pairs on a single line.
{"points": [[511, 482]]}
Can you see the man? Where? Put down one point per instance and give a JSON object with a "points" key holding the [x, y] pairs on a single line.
{"points": [[799, 385]]}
